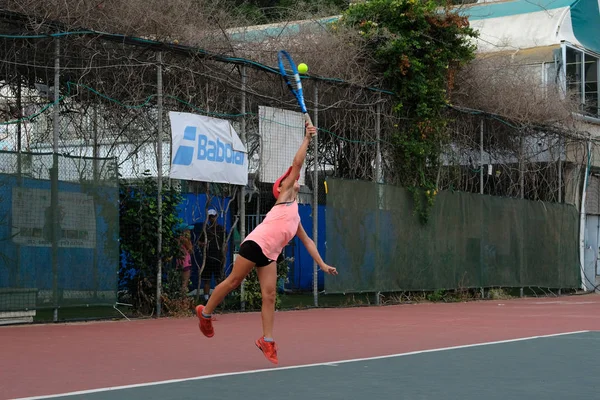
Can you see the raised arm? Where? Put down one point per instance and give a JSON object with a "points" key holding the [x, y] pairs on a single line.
{"points": [[299, 158]]}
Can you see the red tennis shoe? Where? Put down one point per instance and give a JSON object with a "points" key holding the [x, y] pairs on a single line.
{"points": [[269, 349], [205, 324]]}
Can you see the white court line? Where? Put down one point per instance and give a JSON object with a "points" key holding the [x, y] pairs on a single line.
{"points": [[565, 302], [329, 363]]}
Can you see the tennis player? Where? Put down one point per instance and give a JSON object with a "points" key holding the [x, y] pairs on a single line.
{"points": [[261, 249]]}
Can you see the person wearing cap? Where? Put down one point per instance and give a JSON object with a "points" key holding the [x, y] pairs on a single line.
{"points": [[213, 246], [261, 249]]}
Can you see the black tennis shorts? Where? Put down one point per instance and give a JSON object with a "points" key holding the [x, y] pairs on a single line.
{"points": [[252, 251]]}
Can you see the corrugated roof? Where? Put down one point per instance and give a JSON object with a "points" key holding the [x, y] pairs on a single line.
{"points": [[522, 24], [499, 9]]}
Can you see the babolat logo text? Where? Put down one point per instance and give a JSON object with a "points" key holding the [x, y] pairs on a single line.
{"points": [[207, 150]]}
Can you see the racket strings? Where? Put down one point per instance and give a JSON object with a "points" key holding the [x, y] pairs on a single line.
{"points": [[291, 79]]}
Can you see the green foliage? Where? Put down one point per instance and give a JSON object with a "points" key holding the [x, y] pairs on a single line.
{"points": [[175, 300], [437, 295], [417, 48], [138, 220], [252, 294]]}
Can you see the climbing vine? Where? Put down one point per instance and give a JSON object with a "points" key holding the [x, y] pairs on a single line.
{"points": [[138, 226], [416, 47]]}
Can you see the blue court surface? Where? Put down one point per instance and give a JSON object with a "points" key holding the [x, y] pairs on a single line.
{"points": [[554, 367]]}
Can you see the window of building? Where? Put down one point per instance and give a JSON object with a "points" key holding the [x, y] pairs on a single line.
{"points": [[582, 80]]}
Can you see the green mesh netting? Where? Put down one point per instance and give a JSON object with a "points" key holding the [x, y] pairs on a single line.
{"points": [[470, 241], [59, 227]]}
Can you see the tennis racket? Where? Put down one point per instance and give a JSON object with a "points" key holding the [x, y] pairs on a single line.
{"points": [[289, 72]]}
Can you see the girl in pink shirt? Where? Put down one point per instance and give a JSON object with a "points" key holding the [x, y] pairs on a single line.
{"points": [[261, 249], [185, 262]]}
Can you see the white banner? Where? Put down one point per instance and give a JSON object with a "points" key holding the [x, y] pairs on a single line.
{"points": [[206, 149], [281, 133]]}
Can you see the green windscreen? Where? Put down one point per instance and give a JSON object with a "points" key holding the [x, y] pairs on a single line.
{"points": [[470, 241], [59, 227]]}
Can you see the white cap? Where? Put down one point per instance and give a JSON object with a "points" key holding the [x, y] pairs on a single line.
{"points": [[212, 211]]}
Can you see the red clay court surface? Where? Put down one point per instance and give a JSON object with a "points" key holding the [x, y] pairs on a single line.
{"points": [[41, 360]]}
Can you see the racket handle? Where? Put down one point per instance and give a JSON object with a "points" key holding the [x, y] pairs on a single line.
{"points": [[308, 120]]}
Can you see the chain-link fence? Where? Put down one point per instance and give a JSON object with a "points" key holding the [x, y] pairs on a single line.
{"points": [[471, 241], [107, 97], [60, 223]]}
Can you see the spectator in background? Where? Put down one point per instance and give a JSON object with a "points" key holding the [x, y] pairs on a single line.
{"points": [[215, 251], [184, 262]]}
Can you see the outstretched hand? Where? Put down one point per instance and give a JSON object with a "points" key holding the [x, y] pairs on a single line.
{"points": [[329, 269]]}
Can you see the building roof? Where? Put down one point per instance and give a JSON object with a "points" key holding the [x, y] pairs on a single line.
{"points": [[522, 24], [267, 31], [503, 25]]}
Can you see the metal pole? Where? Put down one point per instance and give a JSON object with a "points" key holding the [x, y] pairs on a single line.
{"points": [[19, 116], [242, 203], [95, 152], [560, 151], [379, 180], [56, 125], [521, 223], [15, 279], [316, 196], [481, 158], [521, 165], [95, 139], [481, 265], [159, 162], [54, 177], [378, 170]]}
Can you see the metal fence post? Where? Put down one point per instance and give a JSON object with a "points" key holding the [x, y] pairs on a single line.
{"points": [[481, 266], [378, 167], [481, 157], [54, 206], [522, 196], [19, 123], [379, 182], [242, 197], [159, 164], [15, 279], [315, 211], [560, 153]]}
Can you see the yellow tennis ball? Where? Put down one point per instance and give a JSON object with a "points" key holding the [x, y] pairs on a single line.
{"points": [[303, 68]]}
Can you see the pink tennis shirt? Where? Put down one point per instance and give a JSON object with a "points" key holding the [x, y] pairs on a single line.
{"points": [[277, 229]]}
